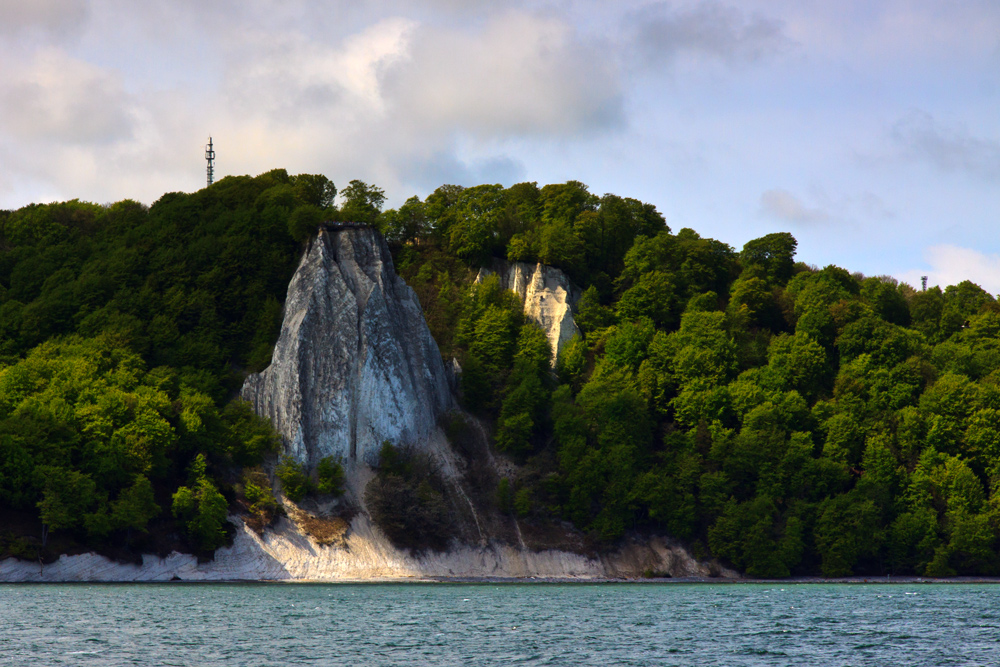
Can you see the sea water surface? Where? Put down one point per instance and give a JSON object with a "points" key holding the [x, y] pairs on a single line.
{"points": [[499, 624]]}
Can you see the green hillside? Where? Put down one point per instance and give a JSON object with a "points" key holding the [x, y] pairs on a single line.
{"points": [[784, 418], [125, 332]]}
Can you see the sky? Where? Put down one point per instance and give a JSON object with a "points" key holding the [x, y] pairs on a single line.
{"points": [[869, 129]]}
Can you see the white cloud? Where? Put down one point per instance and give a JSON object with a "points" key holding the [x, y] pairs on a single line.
{"points": [[320, 106], [520, 74], [950, 265], [58, 98], [294, 77], [409, 95], [411, 105], [785, 206]]}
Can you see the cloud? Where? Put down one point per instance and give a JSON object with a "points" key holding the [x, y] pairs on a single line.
{"points": [[295, 78], [950, 265], [54, 16], [708, 30], [58, 98], [517, 74], [411, 105], [520, 74], [918, 136], [785, 206]]}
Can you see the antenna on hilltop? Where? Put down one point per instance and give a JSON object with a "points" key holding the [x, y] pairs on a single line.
{"points": [[210, 157], [923, 283]]}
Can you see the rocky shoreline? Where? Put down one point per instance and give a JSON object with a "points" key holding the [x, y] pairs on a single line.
{"points": [[284, 553]]}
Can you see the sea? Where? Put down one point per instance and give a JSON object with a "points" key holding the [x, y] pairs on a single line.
{"points": [[499, 624]]}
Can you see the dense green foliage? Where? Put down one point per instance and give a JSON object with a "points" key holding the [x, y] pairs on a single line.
{"points": [[329, 476], [201, 509], [786, 419], [125, 332], [258, 498], [297, 483]]}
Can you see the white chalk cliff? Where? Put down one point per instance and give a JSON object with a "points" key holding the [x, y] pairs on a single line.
{"points": [[547, 294], [355, 363]]}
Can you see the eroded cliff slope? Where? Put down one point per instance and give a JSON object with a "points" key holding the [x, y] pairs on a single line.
{"points": [[285, 553], [355, 363]]}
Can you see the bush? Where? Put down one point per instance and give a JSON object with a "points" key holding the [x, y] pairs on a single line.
{"points": [[202, 512], [523, 502], [407, 500], [304, 221], [259, 497], [294, 481], [330, 476]]}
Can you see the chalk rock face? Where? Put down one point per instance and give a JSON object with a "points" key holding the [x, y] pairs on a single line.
{"points": [[355, 363], [548, 297]]}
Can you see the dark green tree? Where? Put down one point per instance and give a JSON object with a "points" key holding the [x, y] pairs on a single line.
{"points": [[361, 202], [304, 221], [330, 476], [771, 257]]}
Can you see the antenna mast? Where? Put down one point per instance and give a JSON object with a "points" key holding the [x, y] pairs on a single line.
{"points": [[210, 157]]}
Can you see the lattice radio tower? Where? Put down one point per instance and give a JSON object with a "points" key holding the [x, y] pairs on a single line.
{"points": [[210, 158]]}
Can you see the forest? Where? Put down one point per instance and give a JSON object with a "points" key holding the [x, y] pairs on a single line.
{"points": [[785, 418]]}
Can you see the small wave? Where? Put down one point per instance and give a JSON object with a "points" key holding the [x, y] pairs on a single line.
{"points": [[759, 651]]}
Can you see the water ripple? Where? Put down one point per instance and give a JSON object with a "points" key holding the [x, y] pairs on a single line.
{"points": [[487, 624]]}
